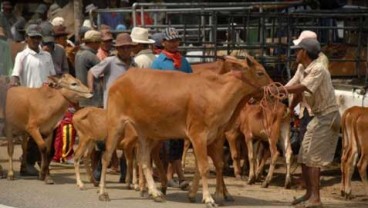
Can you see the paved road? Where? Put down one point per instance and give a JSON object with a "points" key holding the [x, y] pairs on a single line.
{"points": [[32, 193]]}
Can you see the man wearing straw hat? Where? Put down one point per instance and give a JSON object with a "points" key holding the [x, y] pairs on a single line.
{"points": [[144, 55], [111, 68]]}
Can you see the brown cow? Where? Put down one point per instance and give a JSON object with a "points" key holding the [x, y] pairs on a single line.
{"points": [[267, 123], [91, 126], [36, 112], [354, 124], [349, 54], [171, 104]]}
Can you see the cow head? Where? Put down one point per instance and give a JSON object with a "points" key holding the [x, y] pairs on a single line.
{"points": [[251, 72], [70, 87]]}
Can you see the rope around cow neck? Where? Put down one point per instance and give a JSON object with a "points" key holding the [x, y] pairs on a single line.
{"points": [[271, 95]]}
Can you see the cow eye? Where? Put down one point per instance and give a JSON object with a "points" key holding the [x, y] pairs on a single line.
{"points": [[74, 84], [260, 73]]}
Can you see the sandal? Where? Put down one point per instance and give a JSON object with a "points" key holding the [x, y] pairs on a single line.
{"points": [[298, 200]]}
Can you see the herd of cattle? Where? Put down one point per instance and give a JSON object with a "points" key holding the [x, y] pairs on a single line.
{"points": [[147, 106]]}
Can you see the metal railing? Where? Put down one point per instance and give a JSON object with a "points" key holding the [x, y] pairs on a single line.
{"points": [[263, 29]]}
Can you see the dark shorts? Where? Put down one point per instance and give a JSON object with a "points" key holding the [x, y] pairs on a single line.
{"points": [[174, 149]]}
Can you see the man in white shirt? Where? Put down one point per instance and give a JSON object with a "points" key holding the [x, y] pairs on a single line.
{"points": [[144, 55], [32, 66]]}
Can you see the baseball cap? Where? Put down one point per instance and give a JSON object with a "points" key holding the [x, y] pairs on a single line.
{"points": [[47, 32], [304, 35], [158, 37], [171, 33], [311, 45], [33, 30]]}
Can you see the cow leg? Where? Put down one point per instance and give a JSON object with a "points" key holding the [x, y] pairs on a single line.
{"points": [[351, 162], [35, 134], [116, 130], [231, 137], [79, 153], [195, 183], [362, 167], [145, 160], [262, 156], [274, 155], [129, 157], [200, 150], [49, 146], [251, 159], [87, 160], [160, 167], [185, 151], [345, 152], [10, 154], [215, 151]]}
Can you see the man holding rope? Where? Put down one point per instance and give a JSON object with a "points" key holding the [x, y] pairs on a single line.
{"points": [[320, 140]]}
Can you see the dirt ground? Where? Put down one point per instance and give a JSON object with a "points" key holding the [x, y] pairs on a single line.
{"points": [[30, 192]]}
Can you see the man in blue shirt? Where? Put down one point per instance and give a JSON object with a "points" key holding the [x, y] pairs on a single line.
{"points": [[171, 59]]}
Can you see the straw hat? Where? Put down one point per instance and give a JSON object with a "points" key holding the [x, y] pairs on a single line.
{"points": [[92, 36], [140, 35], [124, 39]]}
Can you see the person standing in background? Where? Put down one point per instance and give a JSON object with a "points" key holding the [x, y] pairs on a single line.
{"points": [[32, 67], [143, 51], [171, 59]]}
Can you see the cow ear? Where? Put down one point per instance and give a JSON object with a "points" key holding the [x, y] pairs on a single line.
{"points": [[54, 78], [249, 61]]}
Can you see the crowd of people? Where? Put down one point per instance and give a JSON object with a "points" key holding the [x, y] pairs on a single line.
{"points": [[98, 59], [43, 48]]}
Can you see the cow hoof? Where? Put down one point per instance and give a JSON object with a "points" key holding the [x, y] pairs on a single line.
{"points": [[229, 198], [264, 185], [211, 205], [251, 181], [159, 199], [143, 193], [163, 190], [104, 197], [11, 177], [48, 180], [238, 177], [287, 185], [342, 193], [191, 198]]}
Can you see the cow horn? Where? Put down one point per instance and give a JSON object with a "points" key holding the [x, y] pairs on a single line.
{"points": [[287, 113], [249, 61]]}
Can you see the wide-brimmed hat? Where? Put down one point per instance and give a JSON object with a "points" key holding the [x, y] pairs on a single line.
{"points": [[41, 9], [57, 21], [60, 30], [140, 35], [171, 33], [33, 30], [310, 45], [6, 5], [90, 7], [92, 36], [106, 35], [54, 9], [47, 32], [124, 39], [305, 35]]}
